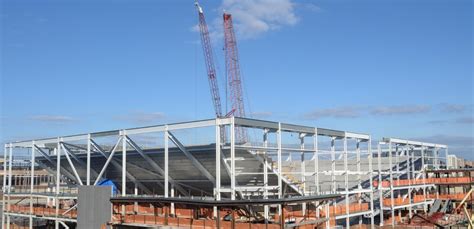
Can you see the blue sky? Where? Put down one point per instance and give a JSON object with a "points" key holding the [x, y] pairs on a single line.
{"points": [[388, 68]]}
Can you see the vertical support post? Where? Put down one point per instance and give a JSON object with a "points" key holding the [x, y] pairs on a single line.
{"points": [[135, 192], [32, 182], [371, 180], [346, 182], [392, 201], [88, 162], [218, 168], [233, 218], [232, 159], [397, 161], [265, 173], [423, 170], [410, 166], [328, 221], [4, 187], [280, 181], [172, 196], [10, 165], [303, 173], [124, 168], [316, 168], [380, 186], [333, 165], [359, 181], [218, 218], [446, 153], [166, 138], [58, 181], [316, 160], [282, 216]]}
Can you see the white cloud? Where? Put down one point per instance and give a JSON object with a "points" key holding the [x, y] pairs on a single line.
{"points": [[53, 118], [401, 110], [453, 108], [310, 6], [254, 17], [358, 111]]}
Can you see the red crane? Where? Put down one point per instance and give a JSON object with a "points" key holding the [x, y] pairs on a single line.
{"points": [[209, 59], [233, 74]]}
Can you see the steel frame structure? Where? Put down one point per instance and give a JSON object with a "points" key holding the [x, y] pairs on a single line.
{"points": [[406, 167], [272, 143]]}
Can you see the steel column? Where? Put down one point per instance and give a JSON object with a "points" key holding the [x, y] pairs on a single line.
{"points": [[232, 159], [217, 185], [410, 174], [58, 181], [303, 172], [265, 173], [346, 182], [88, 162], [316, 161], [391, 181], [379, 155], [280, 174], [4, 187], [32, 182], [124, 169], [333, 165], [371, 174], [166, 177]]}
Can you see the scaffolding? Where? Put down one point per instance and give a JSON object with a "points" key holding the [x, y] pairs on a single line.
{"points": [[195, 160]]}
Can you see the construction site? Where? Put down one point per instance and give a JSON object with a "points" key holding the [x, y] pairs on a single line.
{"points": [[232, 171]]}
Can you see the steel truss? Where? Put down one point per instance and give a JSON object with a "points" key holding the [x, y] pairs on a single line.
{"points": [[271, 145]]}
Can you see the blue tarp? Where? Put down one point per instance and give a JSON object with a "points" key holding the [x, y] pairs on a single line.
{"points": [[110, 183]]}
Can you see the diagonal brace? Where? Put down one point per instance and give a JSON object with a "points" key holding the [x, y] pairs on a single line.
{"points": [[107, 162], [82, 163], [195, 162], [117, 165], [72, 166], [48, 158], [153, 164]]}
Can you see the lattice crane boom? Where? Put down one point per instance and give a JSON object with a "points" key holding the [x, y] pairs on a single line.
{"points": [[209, 60], [233, 74]]}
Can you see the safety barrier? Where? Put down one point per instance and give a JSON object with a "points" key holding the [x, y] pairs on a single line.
{"points": [[399, 201], [44, 211], [407, 182], [455, 196], [340, 209], [192, 223]]}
